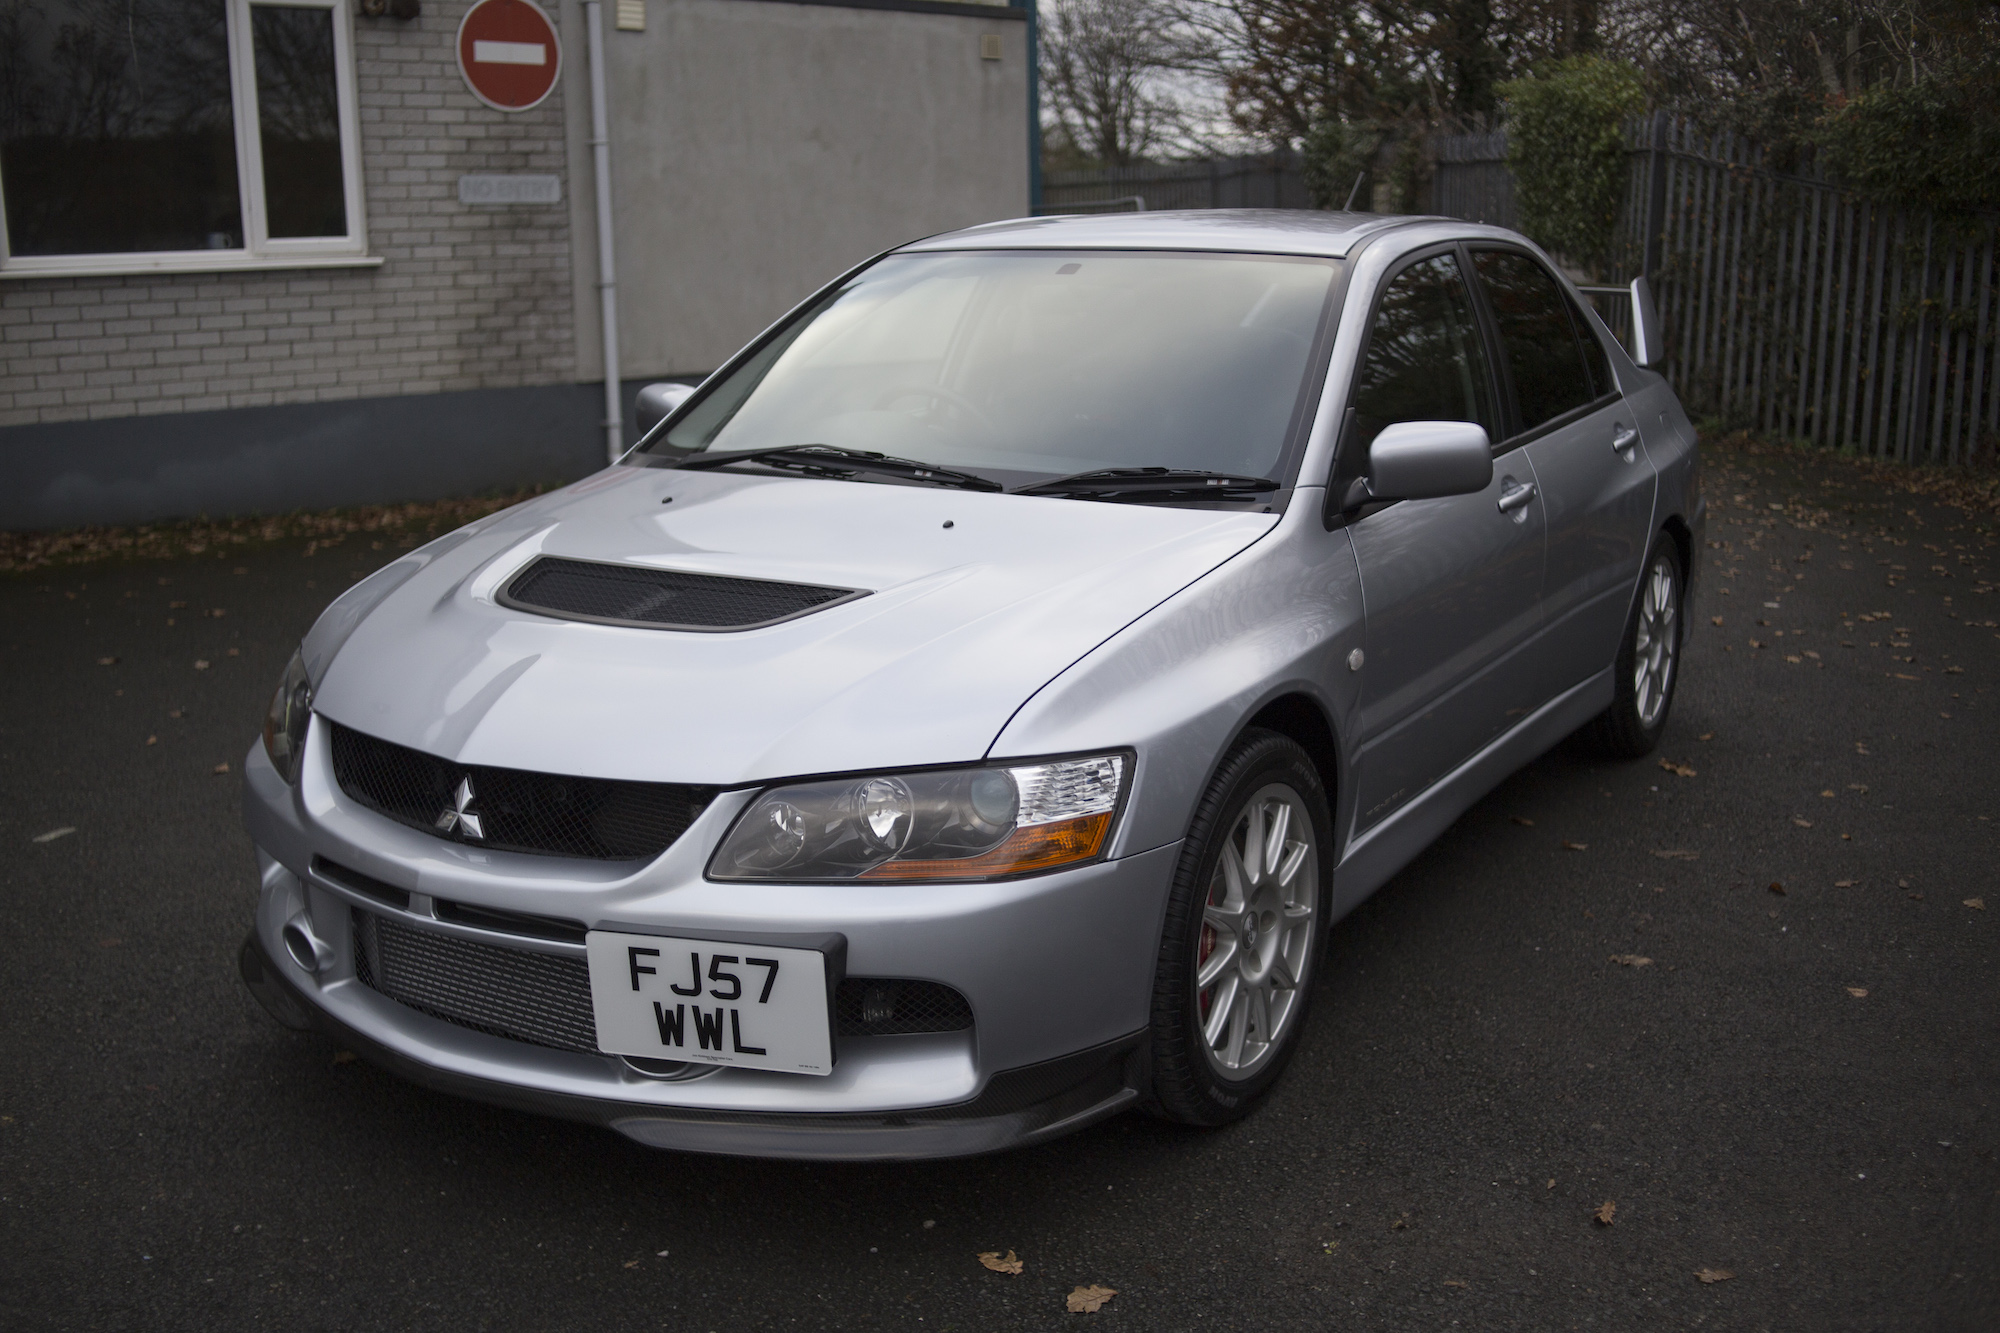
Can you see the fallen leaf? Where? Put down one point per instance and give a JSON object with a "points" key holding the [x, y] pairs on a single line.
{"points": [[1713, 1274], [1400, 1224], [1776, 888], [1678, 770], [1954, 671], [1453, 1282], [201, 664], [1706, 736], [1716, 620], [1827, 792], [1802, 823], [1858, 992], [107, 661], [1569, 846], [1631, 960], [233, 652], [1976, 904], [631, 1263], [152, 740], [1606, 1211], [1845, 883], [1677, 855], [55, 833], [1089, 1300], [345, 1057], [993, 1261], [1551, 1184], [1524, 823], [1330, 1245], [1900, 676]]}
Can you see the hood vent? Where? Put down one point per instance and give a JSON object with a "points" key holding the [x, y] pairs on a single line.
{"points": [[662, 598]]}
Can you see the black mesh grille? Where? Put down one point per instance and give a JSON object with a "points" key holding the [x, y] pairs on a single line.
{"points": [[867, 1007], [533, 997], [545, 813], [545, 998], [661, 598]]}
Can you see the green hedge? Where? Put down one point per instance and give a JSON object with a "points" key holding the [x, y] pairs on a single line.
{"points": [[1566, 146]]}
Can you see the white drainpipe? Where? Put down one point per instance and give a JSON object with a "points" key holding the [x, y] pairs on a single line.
{"points": [[607, 267]]}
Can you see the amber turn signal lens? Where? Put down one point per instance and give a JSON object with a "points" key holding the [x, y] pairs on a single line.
{"points": [[1037, 847]]}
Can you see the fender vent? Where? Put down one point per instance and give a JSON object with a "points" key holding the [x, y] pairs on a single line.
{"points": [[662, 598]]}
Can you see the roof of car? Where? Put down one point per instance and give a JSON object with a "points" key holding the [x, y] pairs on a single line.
{"points": [[1256, 230]]}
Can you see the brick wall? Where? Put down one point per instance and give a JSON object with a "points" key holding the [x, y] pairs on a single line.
{"points": [[468, 297]]}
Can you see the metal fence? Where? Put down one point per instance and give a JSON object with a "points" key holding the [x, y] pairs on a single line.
{"points": [[1263, 181], [1471, 179], [1790, 304]]}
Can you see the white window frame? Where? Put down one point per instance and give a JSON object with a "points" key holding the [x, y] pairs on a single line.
{"points": [[260, 250]]}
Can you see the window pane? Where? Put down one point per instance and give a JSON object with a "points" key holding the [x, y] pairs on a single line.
{"points": [[116, 131], [1550, 377], [1425, 359], [1038, 362], [298, 114]]}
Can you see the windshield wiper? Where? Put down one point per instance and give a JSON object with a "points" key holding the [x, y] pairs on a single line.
{"points": [[1152, 483], [827, 460]]}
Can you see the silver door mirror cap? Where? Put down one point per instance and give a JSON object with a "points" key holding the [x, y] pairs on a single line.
{"points": [[1648, 349], [1426, 460], [657, 402]]}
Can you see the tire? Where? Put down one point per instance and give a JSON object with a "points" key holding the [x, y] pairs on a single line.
{"points": [[1648, 664], [1256, 931]]}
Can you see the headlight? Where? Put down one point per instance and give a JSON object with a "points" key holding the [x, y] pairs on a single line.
{"points": [[952, 824], [285, 723]]}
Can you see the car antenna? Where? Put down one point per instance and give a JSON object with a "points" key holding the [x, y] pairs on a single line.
{"points": [[1359, 176]]}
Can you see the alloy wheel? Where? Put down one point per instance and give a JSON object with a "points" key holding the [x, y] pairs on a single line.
{"points": [[1655, 643], [1256, 937]]}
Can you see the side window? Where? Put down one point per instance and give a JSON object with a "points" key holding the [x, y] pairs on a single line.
{"points": [[1425, 359], [1537, 339]]}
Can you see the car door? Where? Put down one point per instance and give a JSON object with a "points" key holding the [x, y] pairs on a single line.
{"points": [[1451, 587], [1597, 483]]}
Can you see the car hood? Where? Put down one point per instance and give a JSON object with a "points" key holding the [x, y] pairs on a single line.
{"points": [[975, 601]]}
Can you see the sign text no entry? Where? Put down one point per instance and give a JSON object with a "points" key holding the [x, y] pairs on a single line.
{"points": [[508, 53]]}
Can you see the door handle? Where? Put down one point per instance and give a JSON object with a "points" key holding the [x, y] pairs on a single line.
{"points": [[1623, 439], [1516, 497]]}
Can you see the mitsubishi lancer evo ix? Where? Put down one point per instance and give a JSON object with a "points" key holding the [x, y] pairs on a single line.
{"points": [[965, 715]]}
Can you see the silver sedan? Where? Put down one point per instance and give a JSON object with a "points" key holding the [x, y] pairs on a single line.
{"points": [[965, 715]]}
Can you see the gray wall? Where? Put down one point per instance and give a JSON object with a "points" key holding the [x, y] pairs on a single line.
{"points": [[761, 148]]}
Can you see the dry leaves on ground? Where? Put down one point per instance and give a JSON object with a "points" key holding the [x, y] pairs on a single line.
{"points": [[1010, 1264], [1631, 960], [1606, 1214], [1802, 823], [1976, 904], [1089, 1300], [219, 769], [1524, 823], [1845, 883], [55, 833], [1678, 770], [1776, 888], [107, 661], [1569, 846], [1858, 992], [1677, 855], [1713, 1274]]}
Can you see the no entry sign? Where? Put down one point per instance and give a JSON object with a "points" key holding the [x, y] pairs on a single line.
{"points": [[508, 53]]}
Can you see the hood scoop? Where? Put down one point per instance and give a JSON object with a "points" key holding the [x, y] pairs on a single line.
{"points": [[606, 594]]}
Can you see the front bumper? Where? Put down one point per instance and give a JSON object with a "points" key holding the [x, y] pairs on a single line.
{"points": [[1057, 971]]}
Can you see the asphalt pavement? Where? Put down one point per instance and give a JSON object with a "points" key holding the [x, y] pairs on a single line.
{"points": [[1739, 999]]}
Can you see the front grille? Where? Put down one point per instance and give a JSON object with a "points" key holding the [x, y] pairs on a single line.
{"points": [[661, 598], [545, 998], [540, 998], [545, 813]]}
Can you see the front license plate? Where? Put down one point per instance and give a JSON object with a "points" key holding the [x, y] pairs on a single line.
{"points": [[711, 1002]]}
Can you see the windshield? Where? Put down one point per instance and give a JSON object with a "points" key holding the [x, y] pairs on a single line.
{"points": [[1036, 362]]}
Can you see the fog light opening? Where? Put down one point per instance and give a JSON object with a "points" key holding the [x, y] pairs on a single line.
{"points": [[307, 949]]}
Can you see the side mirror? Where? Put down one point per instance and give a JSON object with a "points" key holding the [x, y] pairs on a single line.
{"points": [[656, 401], [1425, 460], [1648, 349]]}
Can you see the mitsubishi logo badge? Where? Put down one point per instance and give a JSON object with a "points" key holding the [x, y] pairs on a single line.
{"points": [[459, 815]]}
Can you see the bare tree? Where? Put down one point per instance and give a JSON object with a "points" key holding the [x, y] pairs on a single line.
{"points": [[1102, 67]]}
